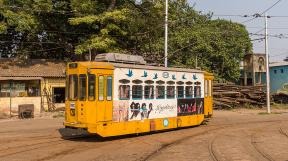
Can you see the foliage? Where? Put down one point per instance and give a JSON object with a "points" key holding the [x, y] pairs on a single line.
{"points": [[65, 29]]}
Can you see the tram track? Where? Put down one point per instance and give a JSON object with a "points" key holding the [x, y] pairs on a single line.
{"points": [[212, 153], [30, 147], [281, 131], [258, 149], [173, 143], [27, 147]]}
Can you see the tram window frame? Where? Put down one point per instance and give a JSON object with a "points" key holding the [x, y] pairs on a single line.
{"points": [[147, 90], [82, 87], [170, 95], [101, 88], [162, 92], [183, 93], [187, 91], [139, 93], [75, 87], [91, 83], [109, 85], [125, 92]]}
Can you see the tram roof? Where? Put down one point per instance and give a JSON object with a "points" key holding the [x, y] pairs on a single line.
{"points": [[136, 66]]}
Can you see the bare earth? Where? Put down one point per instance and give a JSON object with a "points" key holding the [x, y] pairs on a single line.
{"points": [[229, 135]]}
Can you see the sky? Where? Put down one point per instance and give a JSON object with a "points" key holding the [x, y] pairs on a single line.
{"points": [[277, 47]]}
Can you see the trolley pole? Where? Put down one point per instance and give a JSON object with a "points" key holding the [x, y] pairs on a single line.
{"points": [[267, 66], [166, 34]]}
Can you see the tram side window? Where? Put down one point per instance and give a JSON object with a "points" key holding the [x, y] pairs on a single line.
{"points": [[210, 88], [206, 88], [180, 91], [160, 92], [189, 91], [137, 92], [66, 89], [91, 87], [149, 92], [170, 92], [197, 91], [124, 92], [109, 88], [73, 87], [83, 86], [101, 88]]}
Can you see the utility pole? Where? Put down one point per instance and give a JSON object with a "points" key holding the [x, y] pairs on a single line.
{"points": [[166, 34], [267, 66]]}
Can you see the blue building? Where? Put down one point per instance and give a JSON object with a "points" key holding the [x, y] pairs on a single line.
{"points": [[278, 77]]}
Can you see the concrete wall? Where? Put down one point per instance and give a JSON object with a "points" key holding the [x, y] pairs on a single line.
{"points": [[40, 103], [277, 79], [15, 101]]}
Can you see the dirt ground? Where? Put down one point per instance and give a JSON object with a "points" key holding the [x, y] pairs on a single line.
{"points": [[229, 135]]}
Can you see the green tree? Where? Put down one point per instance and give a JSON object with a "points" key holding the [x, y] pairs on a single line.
{"points": [[70, 28]]}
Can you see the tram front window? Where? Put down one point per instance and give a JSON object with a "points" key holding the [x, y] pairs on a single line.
{"points": [[82, 86], [73, 87], [91, 87]]}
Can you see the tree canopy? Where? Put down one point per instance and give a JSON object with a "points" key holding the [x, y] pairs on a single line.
{"points": [[65, 29]]}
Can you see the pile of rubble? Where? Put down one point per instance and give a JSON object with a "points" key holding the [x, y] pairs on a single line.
{"points": [[227, 95]]}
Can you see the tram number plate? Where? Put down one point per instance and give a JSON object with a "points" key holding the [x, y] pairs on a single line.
{"points": [[72, 105]]}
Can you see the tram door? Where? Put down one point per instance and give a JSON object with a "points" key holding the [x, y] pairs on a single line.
{"points": [[104, 95], [208, 99]]}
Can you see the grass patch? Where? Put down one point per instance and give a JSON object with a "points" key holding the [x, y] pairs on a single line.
{"points": [[266, 113], [59, 115], [279, 106]]}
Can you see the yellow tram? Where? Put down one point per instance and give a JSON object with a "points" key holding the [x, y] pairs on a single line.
{"points": [[120, 94]]}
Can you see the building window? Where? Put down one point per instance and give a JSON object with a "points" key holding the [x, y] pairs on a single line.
{"points": [[170, 92], [33, 88], [149, 92], [282, 70], [91, 87], [109, 88], [101, 88], [275, 71], [59, 96], [82, 87], [137, 92], [180, 91], [124, 92], [160, 92], [25, 88], [73, 87], [189, 91]]}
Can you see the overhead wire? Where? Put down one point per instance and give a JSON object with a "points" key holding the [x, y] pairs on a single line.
{"points": [[261, 14]]}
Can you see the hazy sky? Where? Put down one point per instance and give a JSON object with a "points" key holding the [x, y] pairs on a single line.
{"points": [[278, 48]]}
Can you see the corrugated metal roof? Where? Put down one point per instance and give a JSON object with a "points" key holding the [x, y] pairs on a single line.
{"points": [[33, 68], [21, 78], [277, 64]]}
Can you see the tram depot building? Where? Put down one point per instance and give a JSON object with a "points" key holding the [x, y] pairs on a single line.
{"points": [[38, 83]]}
